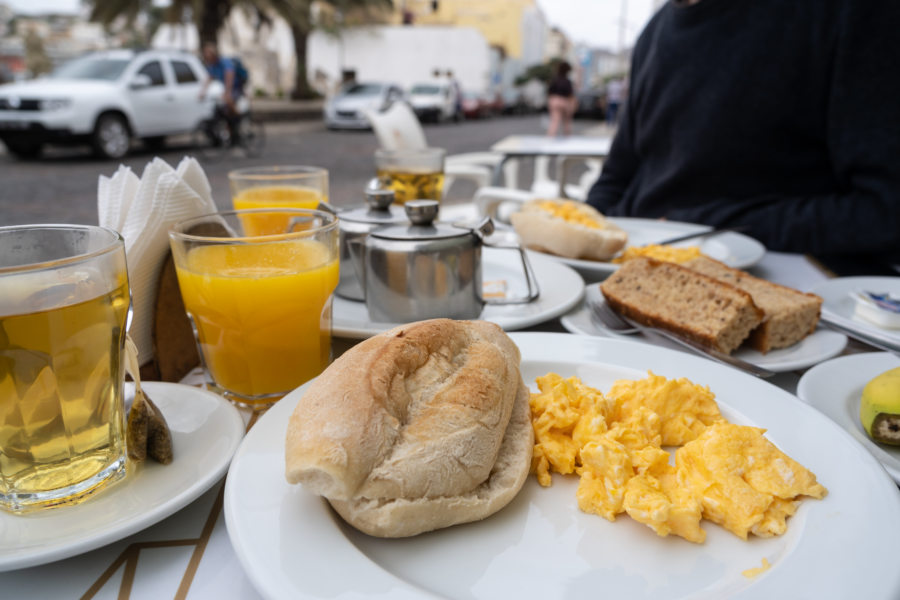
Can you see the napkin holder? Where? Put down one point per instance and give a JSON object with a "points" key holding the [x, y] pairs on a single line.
{"points": [[175, 352]]}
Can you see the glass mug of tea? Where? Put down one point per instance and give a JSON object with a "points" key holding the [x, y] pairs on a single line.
{"points": [[412, 174], [64, 303], [258, 286]]}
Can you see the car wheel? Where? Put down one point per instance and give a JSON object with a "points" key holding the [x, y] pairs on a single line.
{"points": [[24, 149], [111, 138]]}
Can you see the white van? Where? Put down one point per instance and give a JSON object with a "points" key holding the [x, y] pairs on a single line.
{"points": [[435, 101]]}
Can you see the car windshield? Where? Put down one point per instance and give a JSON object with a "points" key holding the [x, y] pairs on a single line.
{"points": [[363, 89], [426, 89], [91, 67]]}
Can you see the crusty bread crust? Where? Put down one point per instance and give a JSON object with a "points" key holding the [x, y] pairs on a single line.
{"points": [[413, 416], [678, 299], [789, 315], [539, 230], [403, 517]]}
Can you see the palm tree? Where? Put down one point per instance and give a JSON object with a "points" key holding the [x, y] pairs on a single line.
{"points": [[209, 17]]}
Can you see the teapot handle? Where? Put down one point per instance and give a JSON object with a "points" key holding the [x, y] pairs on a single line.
{"points": [[530, 279]]}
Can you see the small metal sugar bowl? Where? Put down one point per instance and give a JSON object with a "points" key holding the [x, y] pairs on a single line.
{"points": [[355, 226], [428, 269]]}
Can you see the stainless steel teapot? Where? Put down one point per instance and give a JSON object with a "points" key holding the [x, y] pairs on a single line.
{"points": [[426, 270]]}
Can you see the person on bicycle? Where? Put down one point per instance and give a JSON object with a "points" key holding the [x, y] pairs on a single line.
{"points": [[226, 71]]}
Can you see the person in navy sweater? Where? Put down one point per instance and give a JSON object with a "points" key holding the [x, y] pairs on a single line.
{"points": [[779, 117]]}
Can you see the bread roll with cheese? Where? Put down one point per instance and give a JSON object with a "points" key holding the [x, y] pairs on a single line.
{"points": [[568, 228], [420, 427]]}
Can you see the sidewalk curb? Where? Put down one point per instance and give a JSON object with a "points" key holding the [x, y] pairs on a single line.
{"points": [[278, 111]]}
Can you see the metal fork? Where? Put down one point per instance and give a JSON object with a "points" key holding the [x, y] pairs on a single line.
{"points": [[622, 324]]}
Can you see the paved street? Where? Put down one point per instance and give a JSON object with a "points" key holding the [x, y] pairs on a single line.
{"points": [[62, 186]]}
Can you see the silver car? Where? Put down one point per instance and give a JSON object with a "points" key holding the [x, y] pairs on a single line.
{"points": [[347, 109]]}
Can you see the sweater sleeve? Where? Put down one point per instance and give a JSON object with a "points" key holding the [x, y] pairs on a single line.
{"points": [[621, 163], [618, 168]]}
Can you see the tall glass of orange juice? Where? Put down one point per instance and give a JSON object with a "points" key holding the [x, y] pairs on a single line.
{"points": [[257, 285], [283, 186], [64, 303]]}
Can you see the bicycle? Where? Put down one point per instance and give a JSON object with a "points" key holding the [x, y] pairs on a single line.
{"points": [[215, 137]]}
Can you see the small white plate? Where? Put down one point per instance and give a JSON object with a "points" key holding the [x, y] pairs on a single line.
{"points": [[206, 431], [821, 345], [560, 289], [541, 546], [838, 305], [835, 388], [734, 249]]}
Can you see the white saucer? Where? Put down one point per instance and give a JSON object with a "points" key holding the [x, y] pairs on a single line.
{"points": [[541, 547], [206, 431], [821, 345], [835, 388], [560, 289]]}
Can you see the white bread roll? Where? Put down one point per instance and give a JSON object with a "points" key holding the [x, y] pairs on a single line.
{"points": [[541, 230], [420, 427]]}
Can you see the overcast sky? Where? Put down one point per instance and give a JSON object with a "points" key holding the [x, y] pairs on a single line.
{"points": [[594, 22]]}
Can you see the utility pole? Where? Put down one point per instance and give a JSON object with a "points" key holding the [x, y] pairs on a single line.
{"points": [[623, 31]]}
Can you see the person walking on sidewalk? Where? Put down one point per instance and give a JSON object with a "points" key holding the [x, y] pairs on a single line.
{"points": [[560, 100]]}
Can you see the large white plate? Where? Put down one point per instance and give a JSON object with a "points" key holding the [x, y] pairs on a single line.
{"points": [[835, 388], [838, 306], [561, 289], [541, 546], [821, 345], [734, 249], [206, 431]]}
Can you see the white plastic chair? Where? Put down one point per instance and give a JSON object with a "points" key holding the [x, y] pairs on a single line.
{"points": [[545, 186], [499, 202]]}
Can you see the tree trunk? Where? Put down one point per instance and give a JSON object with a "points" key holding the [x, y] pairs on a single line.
{"points": [[211, 19], [302, 90]]}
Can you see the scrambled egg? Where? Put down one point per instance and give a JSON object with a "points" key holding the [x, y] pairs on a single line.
{"points": [[573, 212], [660, 252], [729, 474]]}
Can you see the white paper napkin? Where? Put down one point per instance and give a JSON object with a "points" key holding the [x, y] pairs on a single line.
{"points": [[142, 210]]}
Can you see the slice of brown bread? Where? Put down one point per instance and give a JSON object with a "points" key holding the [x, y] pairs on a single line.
{"points": [[790, 315], [669, 296]]}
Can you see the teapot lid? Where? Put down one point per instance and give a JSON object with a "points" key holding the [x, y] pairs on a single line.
{"points": [[422, 215]]}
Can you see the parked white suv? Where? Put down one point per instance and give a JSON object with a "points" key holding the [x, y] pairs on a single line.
{"points": [[105, 99]]}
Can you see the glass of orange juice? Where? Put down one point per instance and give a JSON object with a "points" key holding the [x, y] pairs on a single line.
{"points": [[64, 304], [257, 285], [282, 186]]}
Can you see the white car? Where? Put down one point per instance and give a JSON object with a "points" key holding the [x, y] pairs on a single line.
{"points": [[106, 99], [347, 109], [435, 101]]}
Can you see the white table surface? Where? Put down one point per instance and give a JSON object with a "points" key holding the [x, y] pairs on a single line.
{"points": [[542, 145], [189, 555]]}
